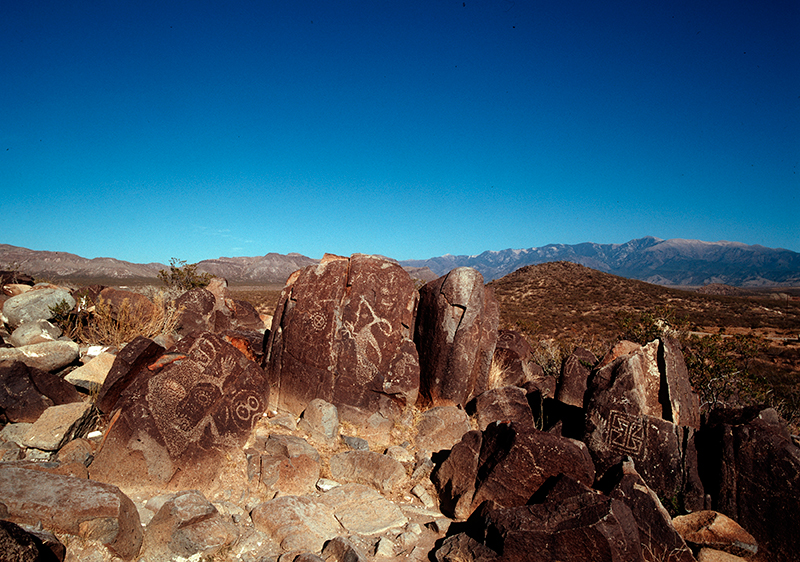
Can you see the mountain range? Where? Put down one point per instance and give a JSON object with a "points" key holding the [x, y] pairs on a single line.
{"points": [[675, 262]]}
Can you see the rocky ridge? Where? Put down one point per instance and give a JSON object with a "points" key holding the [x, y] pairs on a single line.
{"points": [[339, 432]]}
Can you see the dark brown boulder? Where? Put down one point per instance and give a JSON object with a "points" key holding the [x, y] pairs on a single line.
{"points": [[177, 419], [128, 364], [571, 522], [506, 464], [751, 469], [135, 306], [342, 332], [660, 541], [26, 392], [505, 404], [196, 311], [515, 355], [456, 334], [574, 373], [629, 412], [20, 545]]}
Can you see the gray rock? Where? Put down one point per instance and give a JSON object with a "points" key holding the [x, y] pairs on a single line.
{"points": [[35, 305], [320, 420], [34, 331], [46, 356]]}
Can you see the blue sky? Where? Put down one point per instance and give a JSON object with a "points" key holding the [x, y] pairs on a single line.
{"points": [[148, 130]]}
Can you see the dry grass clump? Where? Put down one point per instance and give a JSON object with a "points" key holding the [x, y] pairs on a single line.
{"points": [[498, 372]]}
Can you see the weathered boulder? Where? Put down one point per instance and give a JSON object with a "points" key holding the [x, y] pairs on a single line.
{"points": [[440, 428], [506, 464], [463, 548], [456, 334], [629, 411], [710, 529], [515, 355], [22, 545], [751, 469], [321, 421], [186, 525], [342, 332], [285, 465], [129, 361], [178, 419], [72, 505], [300, 523], [362, 510], [46, 356], [35, 304], [366, 467], [661, 542], [59, 424], [92, 375], [571, 522], [504, 404], [126, 306], [34, 331], [26, 392], [574, 373]]}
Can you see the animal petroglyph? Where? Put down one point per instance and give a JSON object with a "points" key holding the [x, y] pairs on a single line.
{"points": [[368, 350]]}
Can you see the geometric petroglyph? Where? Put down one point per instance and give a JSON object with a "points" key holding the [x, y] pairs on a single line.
{"points": [[318, 321], [625, 432]]}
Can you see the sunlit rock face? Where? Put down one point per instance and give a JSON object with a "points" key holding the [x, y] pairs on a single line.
{"points": [[342, 332]]}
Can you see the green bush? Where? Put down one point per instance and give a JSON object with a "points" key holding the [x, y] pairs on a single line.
{"points": [[184, 276]]}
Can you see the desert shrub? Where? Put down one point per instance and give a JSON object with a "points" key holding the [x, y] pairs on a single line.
{"points": [[549, 354], [498, 371], [184, 276], [67, 318], [643, 327]]}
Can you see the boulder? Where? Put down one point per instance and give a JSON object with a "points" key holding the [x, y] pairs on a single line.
{"points": [[751, 469], [45, 356], [34, 331], [21, 545], [710, 529], [506, 464], [456, 334], [440, 428], [661, 542], [629, 411], [134, 308], [26, 392], [342, 332], [574, 373], [186, 525], [342, 549], [463, 548], [92, 375], [299, 523], [365, 467], [35, 304], [136, 356], [571, 522], [59, 424], [505, 404], [362, 510], [76, 506], [515, 355], [321, 421], [287, 465], [177, 421]]}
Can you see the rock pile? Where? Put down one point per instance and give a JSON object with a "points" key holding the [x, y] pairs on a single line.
{"points": [[364, 425]]}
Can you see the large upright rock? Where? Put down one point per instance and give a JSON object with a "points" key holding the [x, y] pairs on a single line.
{"points": [[630, 411], [342, 332], [177, 420], [751, 469], [456, 334]]}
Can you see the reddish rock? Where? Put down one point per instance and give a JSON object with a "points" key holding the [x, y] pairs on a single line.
{"points": [[629, 412], [176, 422], [72, 505], [505, 404], [751, 468], [137, 307], [26, 392], [572, 522], [130, 360], [196, 310], [710, 529], [456, 334], [440, 428], [515, 354], [684, 405], [21, 545], [342, 332], [660, 540], [574, 373], [506, 464]]}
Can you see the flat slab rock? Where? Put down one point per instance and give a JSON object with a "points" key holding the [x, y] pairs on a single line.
{"points": [[72, 505], [363, 510]]}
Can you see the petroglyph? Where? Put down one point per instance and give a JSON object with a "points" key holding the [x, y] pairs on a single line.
{"points": [[368, 351], [625, 432]]}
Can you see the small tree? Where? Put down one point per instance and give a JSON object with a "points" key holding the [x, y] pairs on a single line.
{"points": [[184, 276]]}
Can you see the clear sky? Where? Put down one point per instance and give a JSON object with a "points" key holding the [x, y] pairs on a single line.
{"points": [[147, 130]]}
